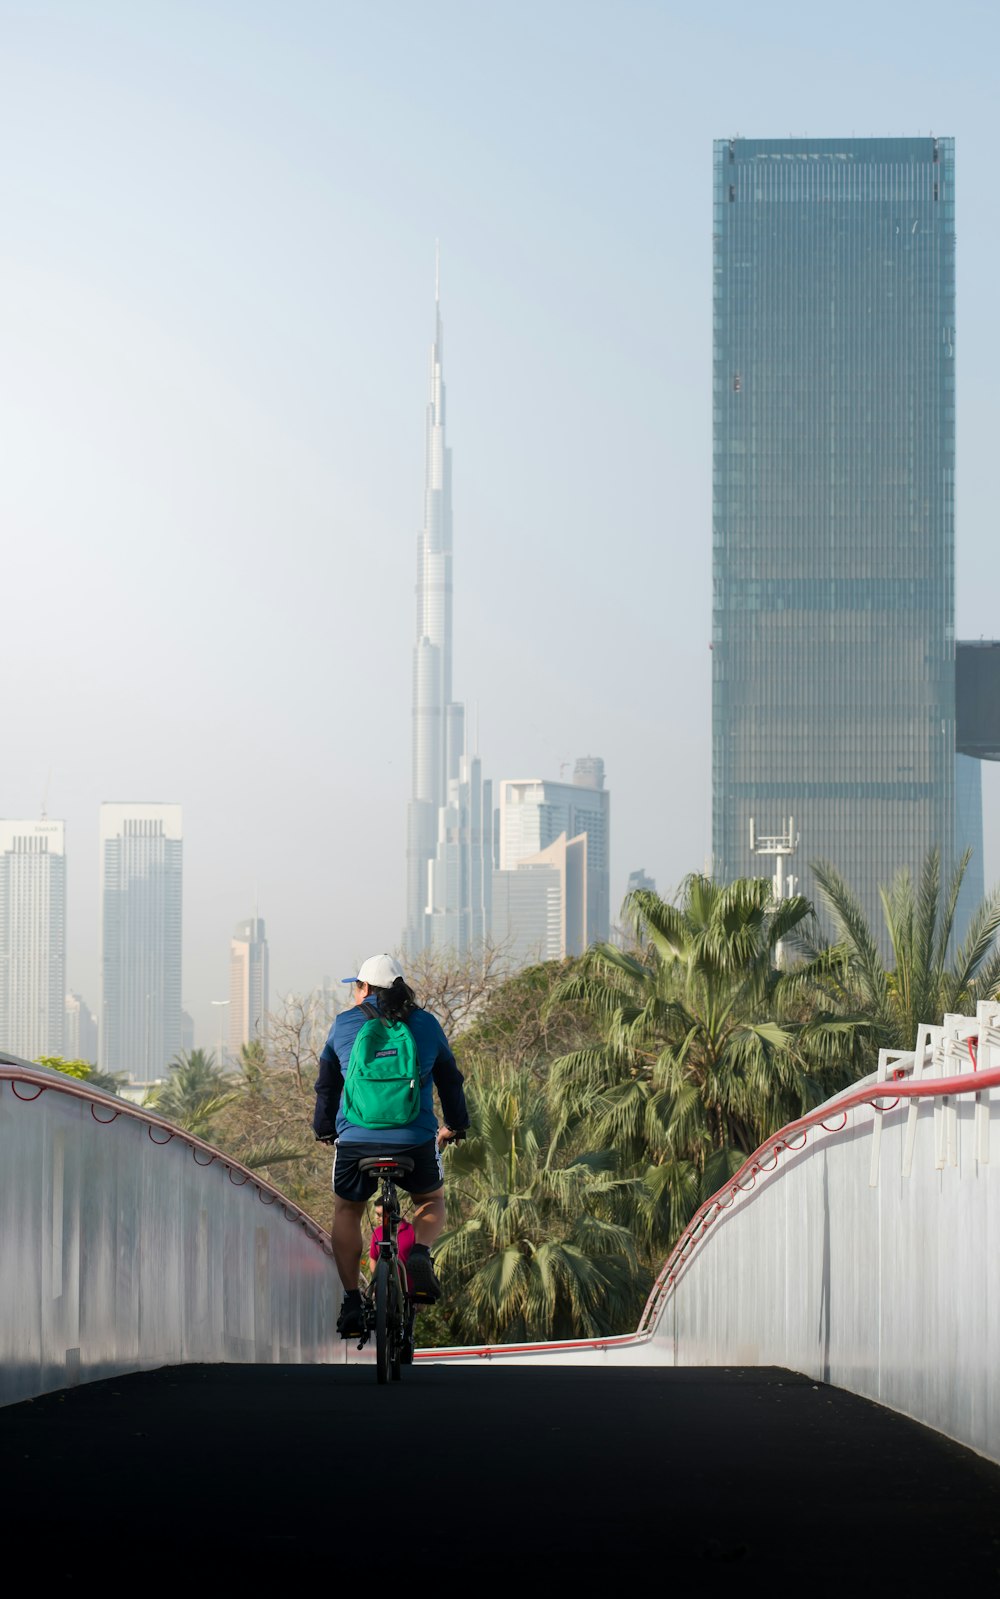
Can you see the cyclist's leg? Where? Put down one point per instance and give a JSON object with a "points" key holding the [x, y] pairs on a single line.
{"points": [[346, 1239], [352, 1189], [425, 1185], [428, 1224], [428, 1216]]}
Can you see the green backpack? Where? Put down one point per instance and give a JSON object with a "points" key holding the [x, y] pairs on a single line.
{"points": [[382, 1081]]}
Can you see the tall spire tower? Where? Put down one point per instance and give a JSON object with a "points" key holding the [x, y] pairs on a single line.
{"points": [[439, 757]]}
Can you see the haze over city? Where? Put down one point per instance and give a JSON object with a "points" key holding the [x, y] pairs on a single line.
{"points": [[219, 239]]}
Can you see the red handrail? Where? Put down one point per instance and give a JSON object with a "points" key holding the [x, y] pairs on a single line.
{"points": [[724, 1197], [487, 1351], [77, 1089]]}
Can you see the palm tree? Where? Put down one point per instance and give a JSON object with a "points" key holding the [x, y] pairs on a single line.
{"points": [[921, 980], [536, 1250], [194, 1093], [708, 1044]]}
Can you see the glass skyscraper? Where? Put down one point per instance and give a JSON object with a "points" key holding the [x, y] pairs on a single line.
{"points": [[833, 503], [141, 881]]}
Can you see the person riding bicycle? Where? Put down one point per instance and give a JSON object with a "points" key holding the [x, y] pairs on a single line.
{"points": [[380, 992]]}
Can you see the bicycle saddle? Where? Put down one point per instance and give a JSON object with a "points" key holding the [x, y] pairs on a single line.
{"points": [[385, 1163]]}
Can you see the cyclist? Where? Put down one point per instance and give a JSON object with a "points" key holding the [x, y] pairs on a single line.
{"points": [[380, 989]]}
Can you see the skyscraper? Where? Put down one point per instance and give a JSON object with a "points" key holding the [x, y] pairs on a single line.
{"points": [[448, 832], [460, 873], [32, 937], [248, 985], [540, 905], [80, 1041], [833, 504], [141, 873], [534, 814]]}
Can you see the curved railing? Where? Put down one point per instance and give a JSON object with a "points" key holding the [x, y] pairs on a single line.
{"points": [[790, 1139], [857, 1244], [783, 1142], [44, 1080], [113, 1258]]}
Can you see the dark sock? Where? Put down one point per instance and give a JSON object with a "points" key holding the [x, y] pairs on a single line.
{"points": [[352, 1293], [420, 1249]]}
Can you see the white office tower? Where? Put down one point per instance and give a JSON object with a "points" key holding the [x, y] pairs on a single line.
{"points": [[32, 937], [141, 852], [535, 815], [540, 905], [80, 1042], [448, 860], [248, 985]]}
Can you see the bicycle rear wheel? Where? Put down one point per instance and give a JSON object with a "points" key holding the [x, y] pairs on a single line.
{"points": [[383, 1317], [396, 1328]]}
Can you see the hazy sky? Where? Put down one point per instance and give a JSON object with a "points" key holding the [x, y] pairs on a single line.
{"points": [[217, 226]]}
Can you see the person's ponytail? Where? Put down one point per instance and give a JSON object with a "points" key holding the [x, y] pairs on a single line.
{"points": [[395, 1003]]}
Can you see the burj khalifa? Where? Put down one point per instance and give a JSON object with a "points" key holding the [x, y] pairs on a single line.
{"points": [[449, 817]]}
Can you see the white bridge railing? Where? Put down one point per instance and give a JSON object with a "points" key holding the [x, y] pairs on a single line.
{"points": [[858, 1246], [126, 1244]]}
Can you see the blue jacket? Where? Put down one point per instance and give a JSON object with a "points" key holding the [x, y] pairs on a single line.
{"points": [[437, 1070]]}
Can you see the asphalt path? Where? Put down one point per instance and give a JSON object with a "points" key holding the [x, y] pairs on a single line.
{"points": [[495, 1476]]}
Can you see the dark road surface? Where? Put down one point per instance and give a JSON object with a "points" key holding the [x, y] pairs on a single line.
{"points": [[526, 1478]]}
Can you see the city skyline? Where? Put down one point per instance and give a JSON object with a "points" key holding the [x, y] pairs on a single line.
{"points": [[215, 334]]}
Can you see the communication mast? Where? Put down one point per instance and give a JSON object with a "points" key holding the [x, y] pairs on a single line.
{"points": [[778, 847]]}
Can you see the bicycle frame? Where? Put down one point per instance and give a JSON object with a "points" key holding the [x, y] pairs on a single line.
{"points": [[388, 1307]]}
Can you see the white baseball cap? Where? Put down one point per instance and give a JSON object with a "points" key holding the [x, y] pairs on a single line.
{"points": [[378, 971]]}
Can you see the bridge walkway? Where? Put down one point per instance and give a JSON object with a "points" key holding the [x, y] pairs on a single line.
{"points": [[560, 1474]]}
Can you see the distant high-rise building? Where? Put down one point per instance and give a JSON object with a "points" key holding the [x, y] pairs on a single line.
{"points": [[833, 507], [527, 919], [448, 831], [187, 1032], [80, 1042], [460, 873], [141, 878], [640, 879], [540, 905], [535, 813], [32, 937], [249, 991]]}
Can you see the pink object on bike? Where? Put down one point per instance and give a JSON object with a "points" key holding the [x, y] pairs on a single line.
{"points": [[405, 1240]]}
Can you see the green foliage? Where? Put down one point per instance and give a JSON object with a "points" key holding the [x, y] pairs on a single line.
{"points": [[707, 1044], [922, 980], [536, 1249], [267, 1122], [80, 1069], [84, 1071], [518, 1028], [194, 1093]]}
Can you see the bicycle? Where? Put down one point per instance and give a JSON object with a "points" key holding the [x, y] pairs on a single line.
{"points": [[388, 1308]]}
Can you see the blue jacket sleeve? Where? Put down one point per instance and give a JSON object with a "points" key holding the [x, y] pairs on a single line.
{"points": [[448, 1081], [329, 1087]]}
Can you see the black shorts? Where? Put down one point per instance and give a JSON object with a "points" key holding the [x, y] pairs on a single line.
{"points": [[426, 1177]]}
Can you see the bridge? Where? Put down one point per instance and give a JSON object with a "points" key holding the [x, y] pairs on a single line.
{"points": [[812, 1392]]}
